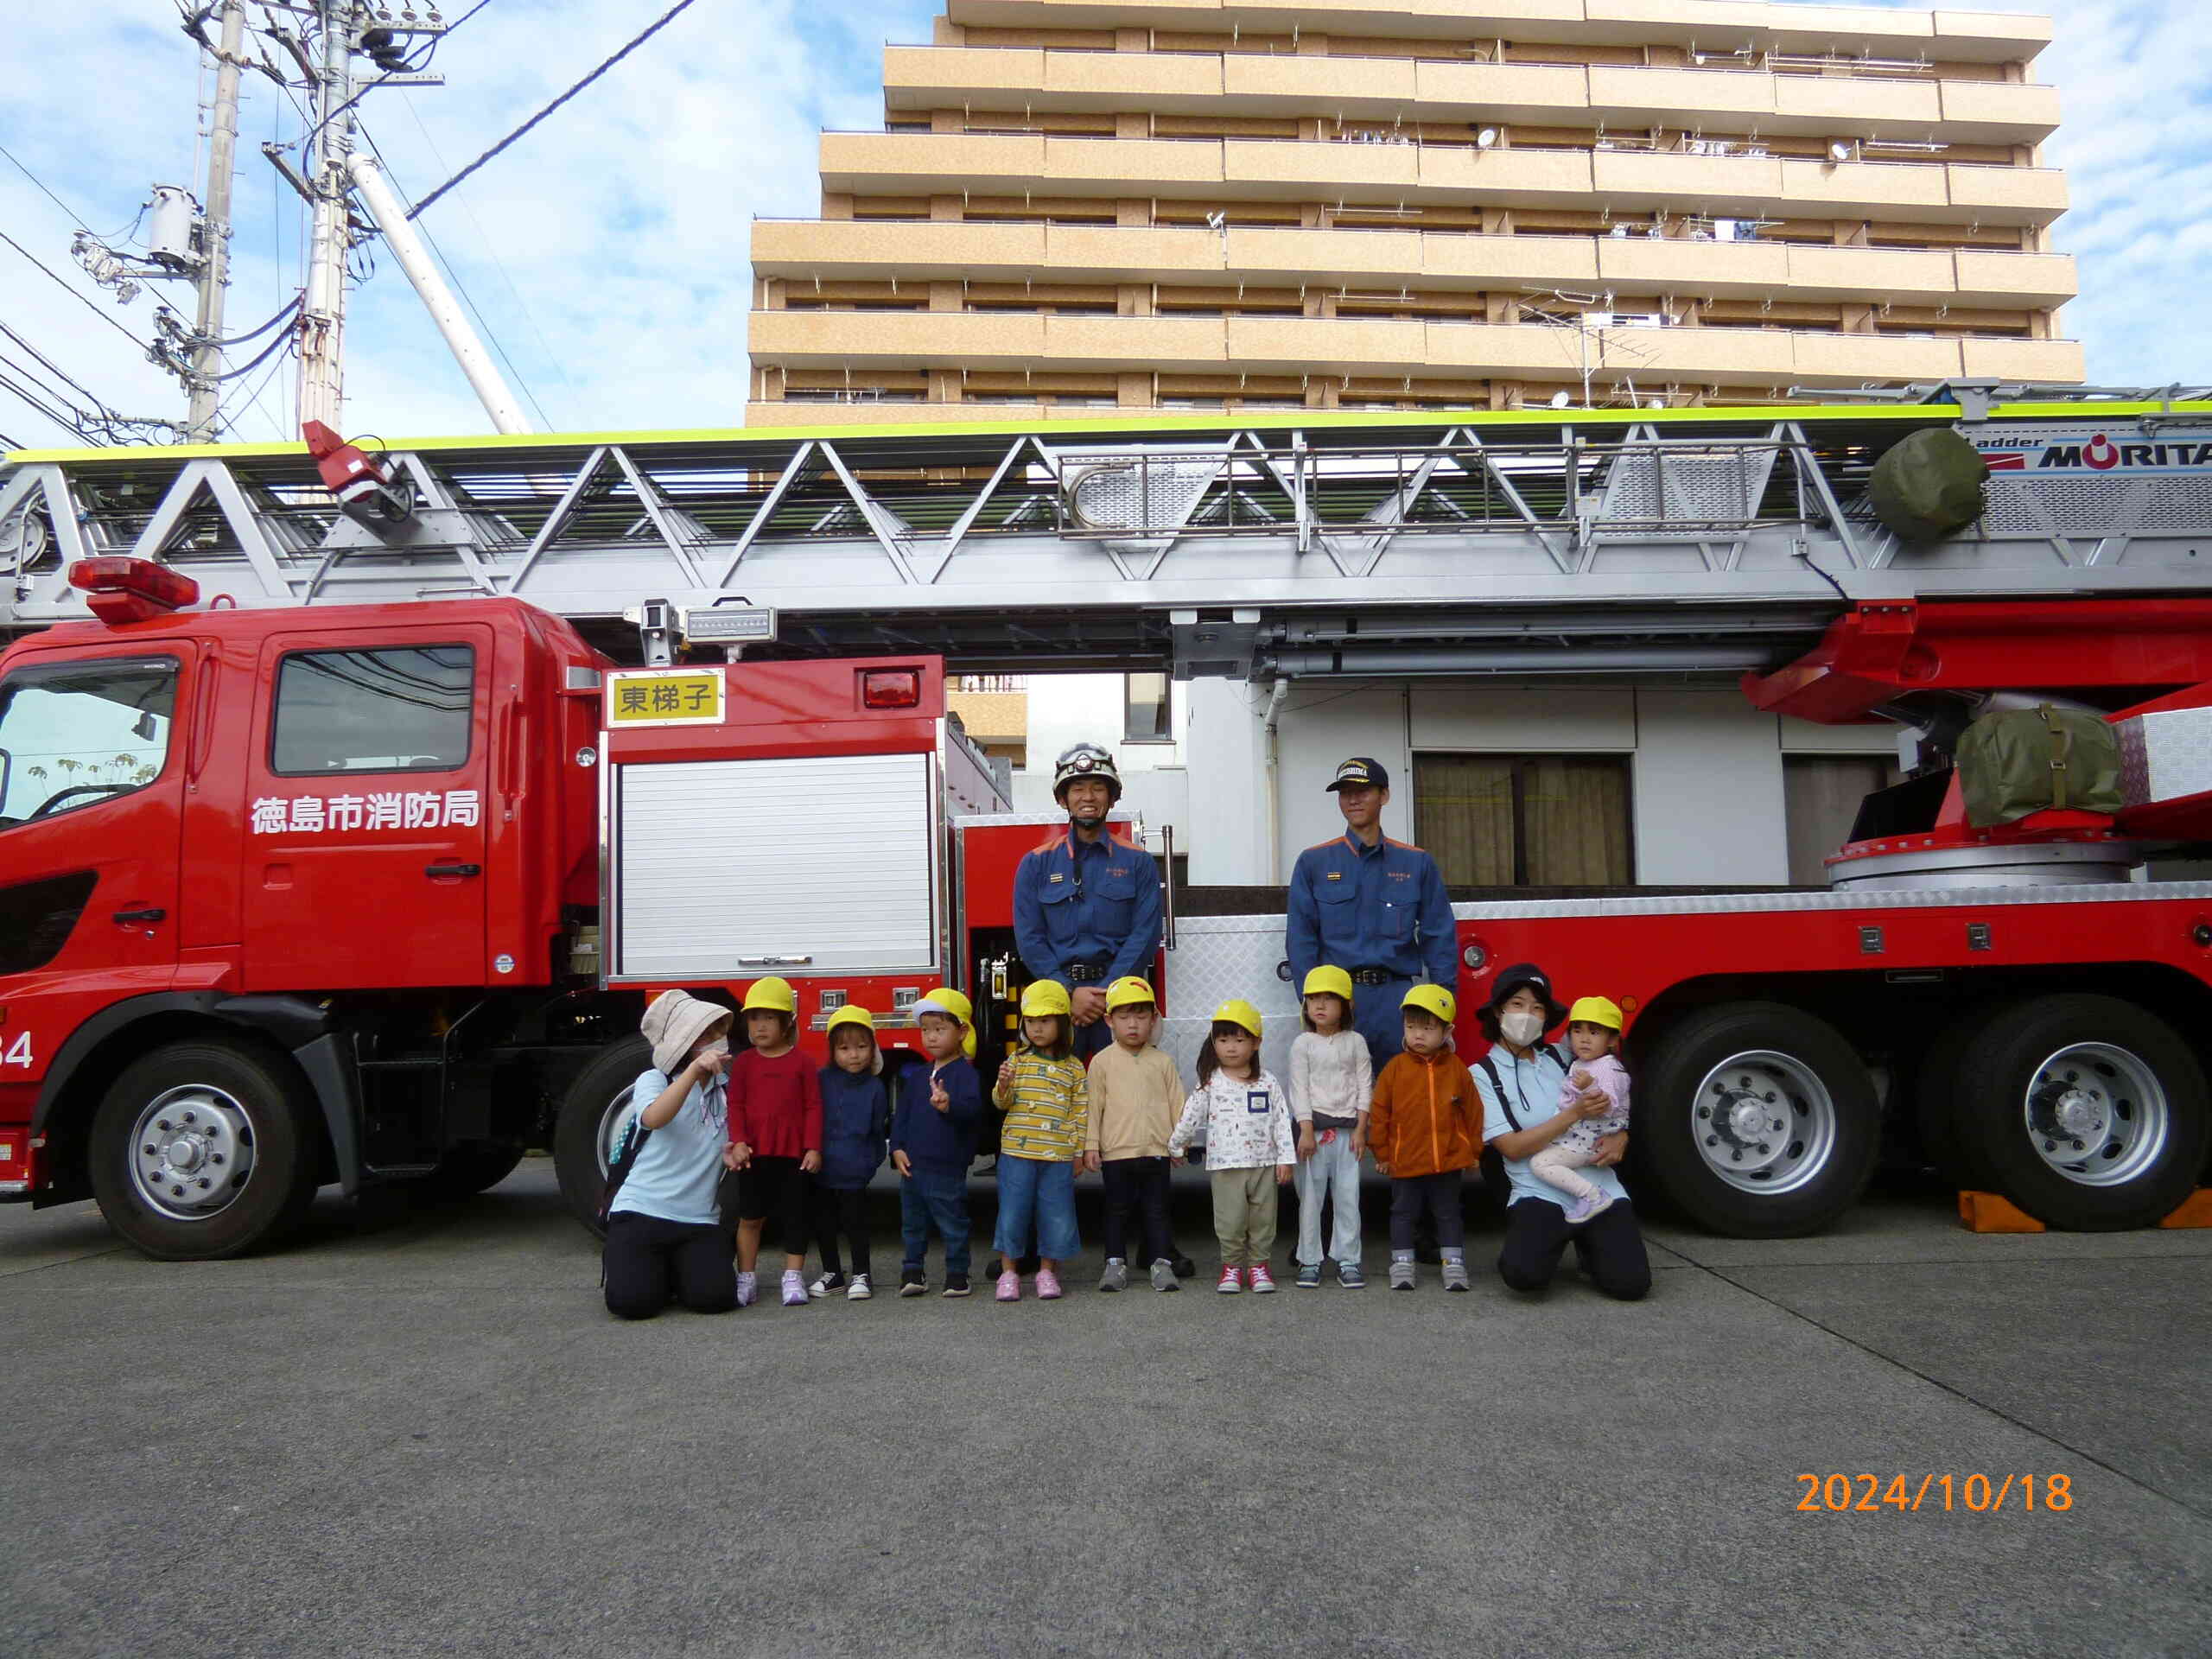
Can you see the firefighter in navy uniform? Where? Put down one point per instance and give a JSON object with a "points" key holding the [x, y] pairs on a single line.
{"points": [[1086, 907], [1373, 906]]}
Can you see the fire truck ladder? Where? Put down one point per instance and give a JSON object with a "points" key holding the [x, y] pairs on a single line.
{"points": [[1678, 541]]}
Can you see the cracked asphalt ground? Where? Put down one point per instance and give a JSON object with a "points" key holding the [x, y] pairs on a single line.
{"points": [[417, 1431]]}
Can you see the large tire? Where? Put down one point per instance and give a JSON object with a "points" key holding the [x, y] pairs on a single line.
{"points": [[1756, 1120], [2084, 1110], [1935, 1096], [202, 1150], [590, 1112]]}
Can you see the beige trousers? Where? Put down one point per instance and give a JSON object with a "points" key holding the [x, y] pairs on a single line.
{"points": [[1244, 1215]]}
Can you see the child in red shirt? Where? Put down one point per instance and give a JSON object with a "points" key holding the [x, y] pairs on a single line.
{"points": [[775, 1132]]}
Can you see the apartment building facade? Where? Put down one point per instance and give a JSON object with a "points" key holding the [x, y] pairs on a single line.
{"points": [[1077, 206]]}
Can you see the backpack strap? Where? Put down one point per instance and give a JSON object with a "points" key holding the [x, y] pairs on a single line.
{"points": [[624, 1158], [1498, 1089]]}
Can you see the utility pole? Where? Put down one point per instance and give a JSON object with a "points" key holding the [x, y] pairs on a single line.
{"points": [[322, 317], [215, 230]]}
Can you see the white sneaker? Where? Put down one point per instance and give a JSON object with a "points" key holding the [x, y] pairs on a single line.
{"points": [[747, 1288], [795, 1290], [858, 1290], [824, 1286]]}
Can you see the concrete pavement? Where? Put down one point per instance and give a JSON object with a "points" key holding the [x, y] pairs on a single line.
{"points": [[419, 1431]]}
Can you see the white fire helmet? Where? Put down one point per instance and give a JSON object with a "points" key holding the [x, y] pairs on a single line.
{"points": [[1085, 760]]}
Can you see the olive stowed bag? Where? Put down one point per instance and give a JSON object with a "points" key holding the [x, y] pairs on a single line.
{"points": [[2023, 761]]}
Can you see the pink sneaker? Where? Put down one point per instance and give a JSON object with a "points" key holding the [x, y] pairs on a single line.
{"points": [[1263, 1283], [1232, 1281], [1009, 1287], [1048, 1285]]}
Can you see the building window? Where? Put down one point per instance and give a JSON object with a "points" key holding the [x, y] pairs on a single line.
{"points": [[1820, 795], [1147, 712], [1525, 820]]}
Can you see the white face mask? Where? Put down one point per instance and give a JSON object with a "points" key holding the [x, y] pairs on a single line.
{"points": [[1520, 1029]]}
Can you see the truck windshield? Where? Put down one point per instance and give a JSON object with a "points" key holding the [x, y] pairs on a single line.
{"points": [[75, 734]]}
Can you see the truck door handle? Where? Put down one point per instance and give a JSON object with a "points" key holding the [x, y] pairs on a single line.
{"points": [[453, 870], [130, 917]]}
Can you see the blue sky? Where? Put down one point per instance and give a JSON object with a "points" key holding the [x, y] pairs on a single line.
{"points": [[606, 252]]}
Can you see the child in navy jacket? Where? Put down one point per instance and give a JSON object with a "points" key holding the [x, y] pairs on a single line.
{"points": [[933, 1141], [855, 1119]]}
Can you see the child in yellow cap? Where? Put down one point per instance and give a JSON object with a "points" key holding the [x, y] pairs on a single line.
{"points": [[1593, 1036], [1046, 1095], [1136, 1098], [933, 1142], [1250, 1150]]}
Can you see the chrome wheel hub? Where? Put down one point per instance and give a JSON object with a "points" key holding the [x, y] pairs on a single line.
{"points": [[2096, 1114], [1764, 1121], [192, 1153]]}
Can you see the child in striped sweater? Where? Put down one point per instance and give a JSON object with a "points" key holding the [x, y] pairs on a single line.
{"points": [[1046, 1095]]}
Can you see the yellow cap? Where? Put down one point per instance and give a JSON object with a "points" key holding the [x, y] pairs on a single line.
{"points": [[1596, 1011], [1435, 999], [1328, 981], [772, 993], [944, 999], [852, 1015], [1127, 991], [1044, 996], [1237, 1011]]}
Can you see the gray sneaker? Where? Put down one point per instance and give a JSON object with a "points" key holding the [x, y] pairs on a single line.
{"points": [[1455, 1273], [1163, 1276], [1350, 1276], [1402, 1275], [1116, 1276]]}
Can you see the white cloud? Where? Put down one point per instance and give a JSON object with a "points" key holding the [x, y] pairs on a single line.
{"points": [[608, 249]]}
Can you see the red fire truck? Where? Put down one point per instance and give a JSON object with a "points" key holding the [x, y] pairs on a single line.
{"points": [[372, 893]]}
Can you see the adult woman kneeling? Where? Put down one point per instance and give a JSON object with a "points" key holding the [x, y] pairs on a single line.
{"points": [[664, 1232], [1521, 1083]]}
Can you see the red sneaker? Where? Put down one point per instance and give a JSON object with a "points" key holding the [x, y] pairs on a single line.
{"points": [[1263, 1283], [1231, 1281]]}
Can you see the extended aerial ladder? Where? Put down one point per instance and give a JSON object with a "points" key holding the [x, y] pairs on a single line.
{"points": [[1687, 542]]}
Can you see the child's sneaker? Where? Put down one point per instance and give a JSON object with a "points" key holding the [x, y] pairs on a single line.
{"points": [[1231, 1281], [1048, 1285], [1116, 1276], [1263, 1283], [912, 1283], [1583, 1209], [1309, 1276], [1455, 1273], [795, 1290], [827, 1284], [748, 1289], [955, 1284], [1402, 1275], [858, 1291], [1009, 1287], [1349, 1275], [1163, 1276]]}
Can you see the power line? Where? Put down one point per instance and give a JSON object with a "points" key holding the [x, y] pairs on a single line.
{"points": [[50, 364], [309, 137], [645, 34], [73, 294], [74, 216]]}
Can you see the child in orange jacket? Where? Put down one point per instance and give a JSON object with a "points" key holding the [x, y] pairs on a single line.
{"points": [[1424, 1130]]}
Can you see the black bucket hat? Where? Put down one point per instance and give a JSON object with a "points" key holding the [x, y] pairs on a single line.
{"points": [[1510, 980]]}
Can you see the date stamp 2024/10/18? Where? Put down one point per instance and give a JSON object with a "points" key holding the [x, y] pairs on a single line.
{"points": [[1977, 1493]]}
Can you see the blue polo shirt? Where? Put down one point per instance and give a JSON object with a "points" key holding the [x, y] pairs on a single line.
{"points": [[1532, 1088], [680, 1167], [1381, 906], [1088, 902]]}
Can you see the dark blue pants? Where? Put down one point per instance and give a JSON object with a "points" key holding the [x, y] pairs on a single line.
{"points": [[1378, 1015], [931, 1199]]}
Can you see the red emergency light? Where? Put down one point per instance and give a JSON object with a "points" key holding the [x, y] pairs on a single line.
{"points": [[891, 688], [122, 590]]}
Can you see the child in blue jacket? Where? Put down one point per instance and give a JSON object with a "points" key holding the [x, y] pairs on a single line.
{"points": [[855, 1120], [933, 1141]]}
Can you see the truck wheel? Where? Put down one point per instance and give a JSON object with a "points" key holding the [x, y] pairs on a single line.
{"points": [[467, 1171], [2084, 1110], [1756, 1120], [1935, 1096], [590, 1112], [201, 1150]]}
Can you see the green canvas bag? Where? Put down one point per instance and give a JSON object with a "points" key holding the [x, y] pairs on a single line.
{"points": [[2024, 760]]}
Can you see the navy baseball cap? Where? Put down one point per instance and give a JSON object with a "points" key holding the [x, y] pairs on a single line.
{"points": [[1360, 772]]}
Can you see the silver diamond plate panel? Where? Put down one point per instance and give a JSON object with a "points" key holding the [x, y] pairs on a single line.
{"points": [[2182, 504], [1716, 486], [1215, 958], [2165, 756]]}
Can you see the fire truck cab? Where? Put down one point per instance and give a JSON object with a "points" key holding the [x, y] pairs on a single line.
{"points": [[362, 894]]}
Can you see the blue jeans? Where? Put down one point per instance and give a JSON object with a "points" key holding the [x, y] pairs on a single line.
{"points": [[927, 1199], [1039, 1197]]}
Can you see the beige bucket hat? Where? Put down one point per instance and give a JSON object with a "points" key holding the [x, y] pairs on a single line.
{"points": [[674, 1021]]}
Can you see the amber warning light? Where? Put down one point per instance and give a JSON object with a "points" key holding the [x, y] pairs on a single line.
{"points": [[892, 688], [122, 590]]}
